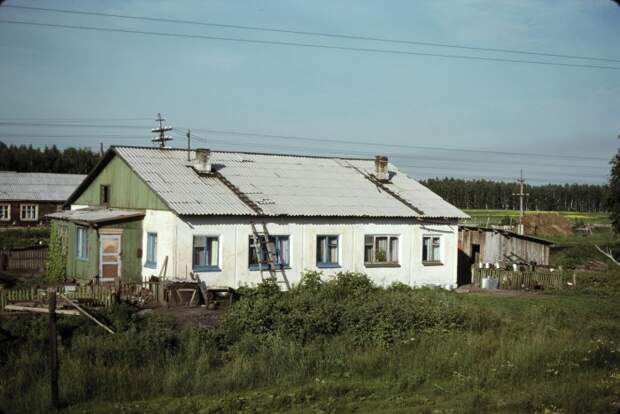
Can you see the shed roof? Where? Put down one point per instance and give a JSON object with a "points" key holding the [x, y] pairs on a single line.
{"points": [[17, 186], [507, 233], [281, 185], [96, 215]]}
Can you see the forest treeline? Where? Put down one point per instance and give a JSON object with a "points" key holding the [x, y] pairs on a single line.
{"points": [[478, 194], [24, 158]]}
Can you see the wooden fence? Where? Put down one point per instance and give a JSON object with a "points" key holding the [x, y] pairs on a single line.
{"points": [[523, 280], [31, 259], [95, 295]]}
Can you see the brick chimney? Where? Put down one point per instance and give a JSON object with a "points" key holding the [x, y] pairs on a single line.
{"points": [[202, 163], [381, 168]]}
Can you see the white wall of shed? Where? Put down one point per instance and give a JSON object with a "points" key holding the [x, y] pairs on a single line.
{"points": [[175, 239], [78, 206]]}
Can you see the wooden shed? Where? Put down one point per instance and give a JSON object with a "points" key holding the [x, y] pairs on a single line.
{"points": [[497, 246]]}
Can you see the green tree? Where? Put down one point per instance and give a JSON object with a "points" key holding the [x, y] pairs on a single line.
{"points": [[614, 192]]}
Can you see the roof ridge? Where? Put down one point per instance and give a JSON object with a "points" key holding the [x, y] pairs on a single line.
{"points": [[277, 154]]}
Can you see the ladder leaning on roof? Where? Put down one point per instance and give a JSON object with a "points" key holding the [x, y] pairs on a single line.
{"points": [[262, 240]]}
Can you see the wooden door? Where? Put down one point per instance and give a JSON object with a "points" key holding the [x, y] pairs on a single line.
{"points": [[110, 257]]}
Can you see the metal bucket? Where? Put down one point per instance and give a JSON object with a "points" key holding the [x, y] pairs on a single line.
{"points": [[489, 283]]}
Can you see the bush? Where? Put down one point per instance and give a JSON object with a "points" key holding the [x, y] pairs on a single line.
{"points": [[348, 304]]}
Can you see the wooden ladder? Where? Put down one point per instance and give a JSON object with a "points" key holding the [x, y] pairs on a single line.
{"points": [[262, 240]]}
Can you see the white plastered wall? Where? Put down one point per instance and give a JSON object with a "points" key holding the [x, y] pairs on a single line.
{"points": [[175, 240]]}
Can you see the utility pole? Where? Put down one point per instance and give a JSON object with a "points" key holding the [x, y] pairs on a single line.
{"points": [[189, 146], [53, 347], [521, 196], [162, 137]]}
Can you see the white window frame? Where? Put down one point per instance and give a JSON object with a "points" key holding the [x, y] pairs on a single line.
{"points": [[433, 260], [387, 263], [25, 207], [5, 207]]}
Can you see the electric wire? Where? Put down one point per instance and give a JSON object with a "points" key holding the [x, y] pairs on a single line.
{"points": [[306, 45], [313, 33]]}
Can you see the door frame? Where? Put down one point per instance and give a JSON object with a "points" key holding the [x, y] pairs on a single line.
{"points": [[110, 235]]}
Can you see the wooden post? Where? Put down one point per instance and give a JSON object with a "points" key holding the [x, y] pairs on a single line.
{"points": [[53, 347]]}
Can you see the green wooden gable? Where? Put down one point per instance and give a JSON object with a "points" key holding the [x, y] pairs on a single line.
{"points": [[127, 189]]}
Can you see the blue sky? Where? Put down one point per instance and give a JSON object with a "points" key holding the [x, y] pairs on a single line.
{"points": [[332, 94]]}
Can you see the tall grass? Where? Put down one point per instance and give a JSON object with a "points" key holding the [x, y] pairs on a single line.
{"points": [[330, 347]]}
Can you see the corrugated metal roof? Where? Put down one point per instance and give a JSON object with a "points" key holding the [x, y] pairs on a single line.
{"points": [[37, 186], [93, 215], [290, 185]]}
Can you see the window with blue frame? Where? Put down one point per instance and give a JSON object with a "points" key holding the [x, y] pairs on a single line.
{"points": [[151, 250], [327, 251], [81, 242], [206, 253], [260, 260]]}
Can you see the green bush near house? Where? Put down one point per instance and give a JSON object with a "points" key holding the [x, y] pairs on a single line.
{"points": [[337, 344]]}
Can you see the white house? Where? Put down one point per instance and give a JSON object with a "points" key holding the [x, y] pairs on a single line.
{"points": [[150, 211]]}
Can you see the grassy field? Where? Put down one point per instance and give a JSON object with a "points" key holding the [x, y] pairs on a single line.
{"points": [[341, 346], [496, 216]]}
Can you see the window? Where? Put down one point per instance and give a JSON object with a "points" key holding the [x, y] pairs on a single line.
{"points": [[104, 196], [327, 251], [206, 253], [151, 250], [5, 212], [431, 249], [381, 250], [81, 242], [281, 247], [29, 212]]}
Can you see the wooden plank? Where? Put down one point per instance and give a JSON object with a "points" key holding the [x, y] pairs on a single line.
{"points": [[40, 310]]}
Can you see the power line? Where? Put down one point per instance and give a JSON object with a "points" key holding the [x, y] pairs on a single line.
{"points": [[414, 166], [381, 144], [308, 45], [414, 156], [72, 125], [384, 144], [311, 33], [72, 119]]}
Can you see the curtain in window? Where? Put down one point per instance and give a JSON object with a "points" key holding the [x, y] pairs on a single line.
{"points": [[213, 251], [381, 249], [200, 251], [393, 249]]}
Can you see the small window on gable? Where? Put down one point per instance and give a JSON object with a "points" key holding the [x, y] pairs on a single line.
{"points": [[81, 242], [151, 250], [431, 249], [5, 212], [104, 194], [327, 251], [28, 212], [206, 253], [381, 250]]}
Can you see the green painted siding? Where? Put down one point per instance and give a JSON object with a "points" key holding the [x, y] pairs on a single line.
{"points": [[79, 268], [131, 245], [127, 190]]}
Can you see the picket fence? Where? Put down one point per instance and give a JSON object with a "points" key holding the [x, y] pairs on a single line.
{"points": [[508, 279], [94, 295]]}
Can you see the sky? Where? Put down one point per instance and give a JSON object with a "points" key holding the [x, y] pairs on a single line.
{"points": [[559, 124]]}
